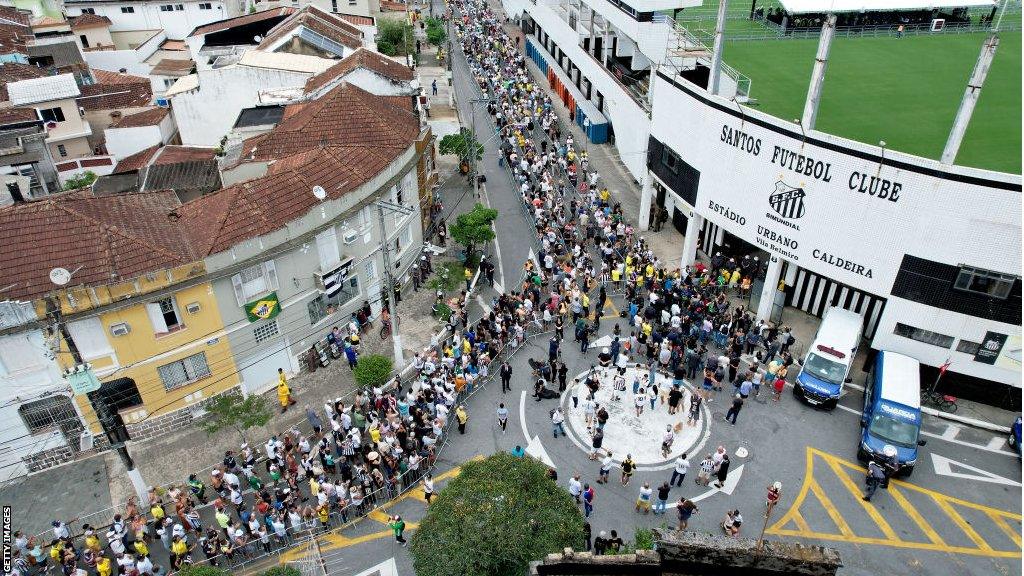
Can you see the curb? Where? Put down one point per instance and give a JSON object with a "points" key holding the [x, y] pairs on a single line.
{"points": [[965, 420]]}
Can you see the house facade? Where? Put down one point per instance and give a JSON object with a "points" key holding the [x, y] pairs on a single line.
{"points": [[177, 18]]}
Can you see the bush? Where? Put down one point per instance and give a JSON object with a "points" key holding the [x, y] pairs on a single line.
{"points": [[448, 277], [282, 571], [202, 570], [395, 37], [643, 539], [373, 371], [436, 33], [494, 518], [80, 181]]}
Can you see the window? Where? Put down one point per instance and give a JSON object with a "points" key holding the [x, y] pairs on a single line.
{"points": [[168, 82], [164, 315], [90, 338], [327, 247], [184, 371], [88, 10], [179, 7], [323, 306], [166, 7], [334, 5], [52, 114], [265, 332], [670, 160], [351, 2], [62, 150], [984, 282], [254, 281], [399, 193], [205, 6], [968, 347], [371, 270], [405, 238], [47, 413], [127, 10], [928, 337]]}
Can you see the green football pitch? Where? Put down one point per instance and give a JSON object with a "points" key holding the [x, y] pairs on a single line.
{"points": [[903, 91]]}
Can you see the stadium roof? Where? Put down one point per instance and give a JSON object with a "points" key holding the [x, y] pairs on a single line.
{"points": [[822, 6]]}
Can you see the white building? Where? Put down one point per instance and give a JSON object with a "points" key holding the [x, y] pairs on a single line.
{"points": [[136, 132], [175, 17]]}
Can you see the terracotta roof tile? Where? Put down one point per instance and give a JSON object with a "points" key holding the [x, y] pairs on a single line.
{"points": [[320, 22], [177, 154], [13, 72], [356, 19], [106, 239], [113, 91], [13, 37], [361, 58], [173, 67], [228, 23], [136, 161], [17, 115], [15, 16], [89, 21], [150, 117]]}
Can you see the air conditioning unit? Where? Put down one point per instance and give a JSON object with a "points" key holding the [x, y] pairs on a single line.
{"points": [[120, 329], [350, 236], [193, 308]]}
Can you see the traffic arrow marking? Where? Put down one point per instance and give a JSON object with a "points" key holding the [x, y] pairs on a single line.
{"points": [[730, 484], [944, 467], [536, 449]]}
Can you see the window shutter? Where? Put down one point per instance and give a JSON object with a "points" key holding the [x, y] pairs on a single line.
{"points": [[327, 246], [236, 283], [271, 273], [156, 316]]}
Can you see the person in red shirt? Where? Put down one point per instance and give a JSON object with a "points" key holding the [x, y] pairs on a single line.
{"points": [[778, 386]]}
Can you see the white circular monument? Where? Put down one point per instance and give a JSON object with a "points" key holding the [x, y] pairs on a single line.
{"points": [[628, 432]]}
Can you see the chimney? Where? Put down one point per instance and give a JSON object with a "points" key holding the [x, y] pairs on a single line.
{"points": [[15, 191], [123, 71]]}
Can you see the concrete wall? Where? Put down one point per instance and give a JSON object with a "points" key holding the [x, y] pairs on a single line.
{"points": [[297, 268], [123, 142], [133, 60], [94, 37], [148, 16], [206, 115]]}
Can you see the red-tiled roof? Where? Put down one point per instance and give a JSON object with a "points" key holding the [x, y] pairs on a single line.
{"points": [[13, 15], [361, 58], [17, 115], [228, 23], [113, 91], [178, 154], [347, 115], [356, 19], [173, 67], [13, 72], [89, 21], [13, 37], [150, 117], [106, 239], [340, 141], [135, 161], [320, 22]]}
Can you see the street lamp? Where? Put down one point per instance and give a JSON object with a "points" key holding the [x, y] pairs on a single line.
{"points": [[774, 495]]}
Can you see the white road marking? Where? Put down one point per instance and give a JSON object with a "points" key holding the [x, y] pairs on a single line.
{"points": [[944, 467], [486, 307], [536, 449], [996, 443], [950, 432], [522, 414], [730, 484], [386, 568]]}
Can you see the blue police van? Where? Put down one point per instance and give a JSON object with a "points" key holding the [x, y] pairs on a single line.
{"points": [[828, 362], [892, 410]]}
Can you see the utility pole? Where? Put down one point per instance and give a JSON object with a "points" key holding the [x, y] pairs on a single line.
{"points": [[774, 495], [109, 420], [396, 338]]}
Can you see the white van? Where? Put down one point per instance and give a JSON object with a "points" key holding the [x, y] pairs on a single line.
{"points": [[826, 367]]}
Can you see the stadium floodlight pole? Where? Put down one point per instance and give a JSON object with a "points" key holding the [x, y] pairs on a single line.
{"points": [[716, 53], [828, 30], [970, 99]]}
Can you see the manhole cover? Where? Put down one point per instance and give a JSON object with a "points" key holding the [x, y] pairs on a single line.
{"points": [[741, 452]]}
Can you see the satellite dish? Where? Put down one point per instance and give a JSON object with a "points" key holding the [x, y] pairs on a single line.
{"points": [[60, 276], [258, 38], [319, 192]]}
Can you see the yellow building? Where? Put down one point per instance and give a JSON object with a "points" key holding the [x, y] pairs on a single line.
{"points": [[137, 305]]}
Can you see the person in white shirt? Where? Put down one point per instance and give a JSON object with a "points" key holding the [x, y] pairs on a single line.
{"points": [[606, 468], [575, 487], [682, 466], [557, 420]]}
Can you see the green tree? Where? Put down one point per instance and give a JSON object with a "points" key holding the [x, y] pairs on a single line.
{"points": [[395, 37], [201, 570], [460, 145], [436, 33], [373, 371], [473, 229], [495, 517], [233, 411], [80, 181]]}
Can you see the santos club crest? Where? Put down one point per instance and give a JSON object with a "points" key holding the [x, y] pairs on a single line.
{"points": [[787, 201]]}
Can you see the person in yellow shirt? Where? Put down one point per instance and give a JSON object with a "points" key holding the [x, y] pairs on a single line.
{"points": [[284, 393], [605, 196], [92, 541], [141, 548], [104, 567], [323, 514]]}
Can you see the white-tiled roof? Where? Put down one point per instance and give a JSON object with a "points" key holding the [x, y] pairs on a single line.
{"points": [[285, 61], [42, 89]]}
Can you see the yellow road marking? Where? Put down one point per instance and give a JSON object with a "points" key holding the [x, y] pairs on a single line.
{"points": [[833, 513], [856, 493], [1001, 518], [1000, 521], [962, 524], [378, 515], [911, 511]]}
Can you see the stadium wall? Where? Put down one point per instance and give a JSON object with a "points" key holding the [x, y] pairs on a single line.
{"points": [[862, 223]]}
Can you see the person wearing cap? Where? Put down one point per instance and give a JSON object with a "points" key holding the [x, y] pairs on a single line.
{"points": [[889, 462], [875, 476]]}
